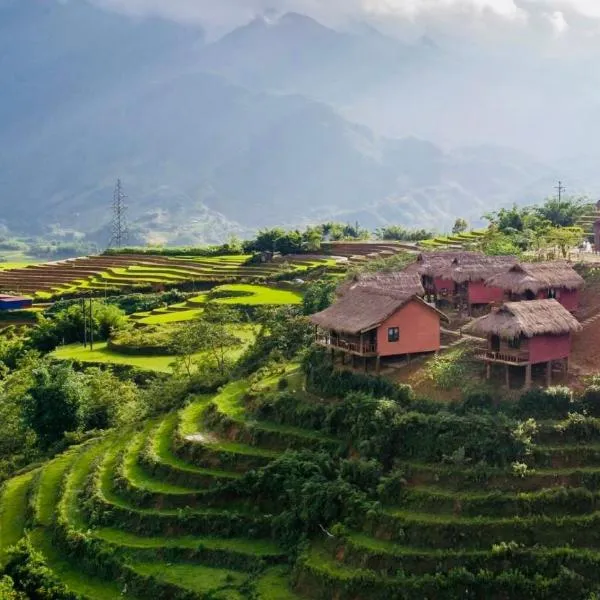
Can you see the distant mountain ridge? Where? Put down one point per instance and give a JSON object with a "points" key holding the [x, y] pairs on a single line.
{"points": [[101, 96]]}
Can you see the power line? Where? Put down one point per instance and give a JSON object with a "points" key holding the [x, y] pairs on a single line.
{"points": [[119, 229]]}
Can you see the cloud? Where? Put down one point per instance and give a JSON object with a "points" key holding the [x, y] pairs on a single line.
{"points": [[559, 14], [558, 22]]}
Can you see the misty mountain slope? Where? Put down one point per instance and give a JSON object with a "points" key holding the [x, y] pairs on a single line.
{"points": [[201, 156], [294, 53]]}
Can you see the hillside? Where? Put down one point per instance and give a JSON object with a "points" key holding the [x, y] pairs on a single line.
{"points": [[202, 157]]}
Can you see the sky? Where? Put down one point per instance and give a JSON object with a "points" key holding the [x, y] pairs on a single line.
{"points": [[546, 18]]}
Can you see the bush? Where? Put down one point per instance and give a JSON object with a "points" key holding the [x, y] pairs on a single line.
{"points": [[551, 403]]}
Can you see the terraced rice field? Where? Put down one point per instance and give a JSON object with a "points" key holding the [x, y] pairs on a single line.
{"points": [[129, 271], [144, 500], [102, 354], [152, 504], [236, 294]]}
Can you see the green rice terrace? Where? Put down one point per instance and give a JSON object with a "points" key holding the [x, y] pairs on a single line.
{"points": [[118, 273], [273, 488]]}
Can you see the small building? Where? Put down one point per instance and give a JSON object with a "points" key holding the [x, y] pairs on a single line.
{"points": [[459, 278], [538, 281], [376, 321], [402, 282], [14, 302], [524, 334]]}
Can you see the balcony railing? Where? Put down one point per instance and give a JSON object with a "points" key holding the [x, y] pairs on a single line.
{"points": [[354, 347], [506, 357]]}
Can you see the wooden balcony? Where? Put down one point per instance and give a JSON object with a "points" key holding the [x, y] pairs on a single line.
{"points": [[356, 348], [505, 357]]}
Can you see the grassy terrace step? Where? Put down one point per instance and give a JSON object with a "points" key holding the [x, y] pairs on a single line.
{"points": [[49, 484], [364, 552], [469, 478], [105, 507], [274, 584], [203, 581], [146, 491], [199, 446], [227, 411], [566, 456], [320, 578], [13, 510], [444, 531], [556, 501], [71, 575], [158, 459]]}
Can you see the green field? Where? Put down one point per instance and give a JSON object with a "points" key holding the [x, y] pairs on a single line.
{"points": [[257, 294], [101, 354]]}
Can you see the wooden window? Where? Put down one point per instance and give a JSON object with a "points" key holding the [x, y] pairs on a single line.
{"points": [[514, 343], [393, 334]]}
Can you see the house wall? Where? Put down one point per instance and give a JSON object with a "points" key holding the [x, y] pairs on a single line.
{"points": [[419, 331], [568, 298], [441, 284], [479, 293], [544, 348]]}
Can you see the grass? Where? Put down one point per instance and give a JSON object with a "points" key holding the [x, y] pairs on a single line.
{"points": [[197, 578], [102, 354], [274, 585], [171, 317], [264, 548], [75, 579], [48, 493], [253, 295], [13, 505], [162, 447]]}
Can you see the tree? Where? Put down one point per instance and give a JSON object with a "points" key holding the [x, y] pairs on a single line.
{"points": [[212, 335], [495, 243], [460, 226], [51, 406], [318, 296], [565, 238], [564, 212]]}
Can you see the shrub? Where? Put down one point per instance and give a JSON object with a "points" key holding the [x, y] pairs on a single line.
{"points": [[551, 403]]}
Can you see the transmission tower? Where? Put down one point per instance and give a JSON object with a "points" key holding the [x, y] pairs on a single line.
{"points": [[119, 231]]}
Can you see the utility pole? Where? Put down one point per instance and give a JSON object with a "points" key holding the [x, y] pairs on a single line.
{"points": [[560, 188], [91, 325], [119, 230], [84, 322]]}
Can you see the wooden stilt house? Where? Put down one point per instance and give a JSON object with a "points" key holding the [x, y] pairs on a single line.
{"points": [[378, 316], [538, 281], [524, 334]]}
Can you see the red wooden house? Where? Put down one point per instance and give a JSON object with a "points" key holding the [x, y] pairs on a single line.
{"points": [[524, 334], [537, 281], [460, 277], [378, 321]]}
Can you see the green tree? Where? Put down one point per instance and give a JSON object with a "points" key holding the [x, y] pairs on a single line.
{"points": [[564, 212], [7, 590], [460, 226], [318, 296], [51, 405], [212, 335], [108, 401], [565, 238]]}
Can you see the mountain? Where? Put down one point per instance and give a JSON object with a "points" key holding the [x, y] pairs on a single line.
{"points": [[295, 54], [89, 96]]}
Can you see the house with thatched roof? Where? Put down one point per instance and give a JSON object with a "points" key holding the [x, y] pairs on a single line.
{"points": [[529, 281], [460, 277], [374, 321], [525, 334], [402, 282]]}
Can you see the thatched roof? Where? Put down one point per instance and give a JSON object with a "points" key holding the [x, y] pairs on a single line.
{"points": [[360, 310], [462, 266], [400, 283], [528, 319], [537, 276]]}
